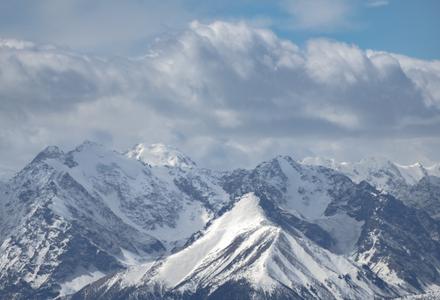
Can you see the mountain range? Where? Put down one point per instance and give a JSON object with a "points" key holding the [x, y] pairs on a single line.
{"points": [[149, 223]]}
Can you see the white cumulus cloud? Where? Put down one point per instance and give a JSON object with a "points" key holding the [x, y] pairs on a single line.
{"points": [[229, 94]]}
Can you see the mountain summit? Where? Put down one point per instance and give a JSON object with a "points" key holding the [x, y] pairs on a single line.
{"points": [[160, 155]]}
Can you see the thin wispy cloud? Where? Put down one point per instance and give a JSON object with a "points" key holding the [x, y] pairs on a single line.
{"points": [[320, 15], [377, 3]]}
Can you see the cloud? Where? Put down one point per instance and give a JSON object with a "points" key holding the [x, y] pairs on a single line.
{"points": [[109, 26], [377, 3], [126, 27], [229, 94], [320, 14], [45, 78]]}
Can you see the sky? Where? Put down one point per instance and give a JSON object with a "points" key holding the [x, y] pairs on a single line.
{"points": [[231, 83]]}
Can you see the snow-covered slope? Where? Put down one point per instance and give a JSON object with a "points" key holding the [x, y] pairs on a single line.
{"points": [[243, 248], [279, 230], [408, 183], [306, 216], [413, 173], [160, 155], [377, 170], [434, 170], [429, 295], [354, 217], [305, 192], [67, 206]]}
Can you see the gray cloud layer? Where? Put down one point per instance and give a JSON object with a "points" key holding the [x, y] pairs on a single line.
{"points": [[227, 93]]}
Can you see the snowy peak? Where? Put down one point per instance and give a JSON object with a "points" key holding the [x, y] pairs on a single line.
{"points": [[245, 216], [434, 170], [321, 161], [377, 170], [283, 230], [299, 189], [88, 145], [87, 148], [408, 183], [99, 202], [49, 152], [244, 248], [160, 155], [413, 173]]}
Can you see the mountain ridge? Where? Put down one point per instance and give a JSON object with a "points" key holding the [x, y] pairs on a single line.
{"points": [[274, 249], [116, 210]]}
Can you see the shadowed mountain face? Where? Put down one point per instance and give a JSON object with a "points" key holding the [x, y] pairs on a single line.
{"points": [[149, 224], [415, 185]]}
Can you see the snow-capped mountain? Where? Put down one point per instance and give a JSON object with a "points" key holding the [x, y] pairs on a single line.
{"points": [[169, 229], [160, 155], [320, 211], [244, 252], [414, 184], [350, 219], [377, 170], [71, 217]]}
